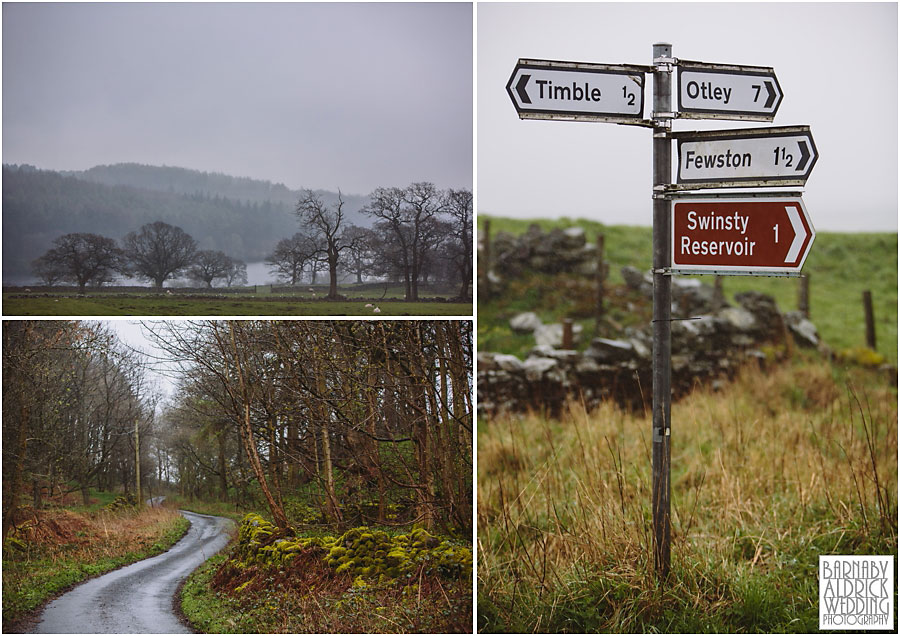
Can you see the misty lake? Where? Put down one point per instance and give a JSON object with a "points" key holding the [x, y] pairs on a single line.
{"points": [[257, 274]]}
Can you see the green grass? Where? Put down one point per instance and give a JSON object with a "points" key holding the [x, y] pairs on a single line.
{"points": [[780, 466], [111, 305], [841, 267]]}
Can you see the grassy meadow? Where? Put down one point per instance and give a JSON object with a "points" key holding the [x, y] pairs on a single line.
{"points": [[784, 464], [840, 266], [260, 302]]}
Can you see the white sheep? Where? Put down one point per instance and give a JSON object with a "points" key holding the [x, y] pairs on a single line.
{"points": [[377, 310], [369, 305]]}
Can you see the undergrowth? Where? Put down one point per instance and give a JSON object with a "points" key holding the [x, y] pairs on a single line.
{"points": [[767, 474], [364, 581]]}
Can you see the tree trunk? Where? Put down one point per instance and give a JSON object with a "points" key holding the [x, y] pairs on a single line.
{"points": [[332, 274], [223, 474], [11, 496], [246, 431]]}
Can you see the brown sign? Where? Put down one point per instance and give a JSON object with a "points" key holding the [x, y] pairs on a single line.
{"points": [[740, 235]]}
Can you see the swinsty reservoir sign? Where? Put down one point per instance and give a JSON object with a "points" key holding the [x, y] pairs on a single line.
{"points": [[749, 235]]}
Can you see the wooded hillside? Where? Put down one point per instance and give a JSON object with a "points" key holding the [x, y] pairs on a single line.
{"points": [[242, 217]]}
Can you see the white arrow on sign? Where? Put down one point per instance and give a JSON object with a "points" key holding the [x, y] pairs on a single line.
{"points": [[799, 233], [577, 91], [723, 91]]}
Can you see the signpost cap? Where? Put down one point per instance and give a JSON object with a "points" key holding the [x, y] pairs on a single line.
{"points": [[662, 49]]}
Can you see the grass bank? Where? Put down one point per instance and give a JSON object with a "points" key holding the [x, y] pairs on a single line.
{"points": [[54, 549], [840, 265], [781, 466]]}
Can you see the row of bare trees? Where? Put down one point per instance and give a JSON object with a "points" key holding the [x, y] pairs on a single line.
{"points": [[72, 398], [417, 230], [156, 252], [332, 414]]}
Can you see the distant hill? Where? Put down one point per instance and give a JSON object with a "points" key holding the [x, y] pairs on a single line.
{"points": [[243, 217], [185, 181]]}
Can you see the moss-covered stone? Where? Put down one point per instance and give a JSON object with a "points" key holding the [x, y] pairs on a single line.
{"points": [[360, 552]]}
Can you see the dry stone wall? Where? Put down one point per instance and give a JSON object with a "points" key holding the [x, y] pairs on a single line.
{"points": [[710, 341]]}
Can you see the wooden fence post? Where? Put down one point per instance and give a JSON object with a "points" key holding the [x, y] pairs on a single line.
{"points": [[601, 279], [870, 320], [567, 338], [803, 296], [486, 266]]}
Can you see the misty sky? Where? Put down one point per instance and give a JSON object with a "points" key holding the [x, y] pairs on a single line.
{"points": [[342, 95], [836, 64]]}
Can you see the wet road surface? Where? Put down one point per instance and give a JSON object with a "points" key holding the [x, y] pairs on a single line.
{"points": [[137, 599]]}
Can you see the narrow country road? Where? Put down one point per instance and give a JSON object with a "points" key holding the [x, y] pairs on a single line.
{"points": [[137, 598]]}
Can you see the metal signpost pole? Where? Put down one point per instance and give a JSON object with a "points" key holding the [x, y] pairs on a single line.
{"points": [[662, 306]]}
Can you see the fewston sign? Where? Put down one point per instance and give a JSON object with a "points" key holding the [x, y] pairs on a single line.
{"points": [[749, 156]]}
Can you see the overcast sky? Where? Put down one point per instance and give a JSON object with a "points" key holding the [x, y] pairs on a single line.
{"points": [[340, 95], [836, 64]]}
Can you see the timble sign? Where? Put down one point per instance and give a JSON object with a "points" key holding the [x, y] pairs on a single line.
{"points": [[577, 91], [760, 235]]}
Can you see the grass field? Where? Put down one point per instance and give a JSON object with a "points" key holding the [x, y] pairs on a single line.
{"points": [[111, 304], [841, 267], [780, 466]]}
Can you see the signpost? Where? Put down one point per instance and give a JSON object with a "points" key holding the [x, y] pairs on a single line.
{"points": [[766, 236], [749, 156], [578, 91], [734, 234], [726, 91]]}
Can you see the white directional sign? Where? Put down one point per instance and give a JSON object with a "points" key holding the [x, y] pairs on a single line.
{"points": [[577, 91], [750, 156], [721, 91]]}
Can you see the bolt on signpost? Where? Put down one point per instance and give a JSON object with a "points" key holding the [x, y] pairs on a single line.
{"points": [[743, 233]]}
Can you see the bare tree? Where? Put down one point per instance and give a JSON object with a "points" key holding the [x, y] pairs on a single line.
{"points": [[48, 270], [410, 214], [459, 207], [326, 222], [209, 265], [290, 256], [80, 258], [237, 273], [359, 262], [159, 251]]}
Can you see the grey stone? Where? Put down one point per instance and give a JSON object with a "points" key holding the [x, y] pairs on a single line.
{"points": [[552, 334], [740, 318], [604, 350], [535, 367], [507, 362], [525, 322], [804, 330]]}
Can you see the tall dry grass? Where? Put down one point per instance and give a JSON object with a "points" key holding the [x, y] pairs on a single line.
{"points": [[779, 467]]}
